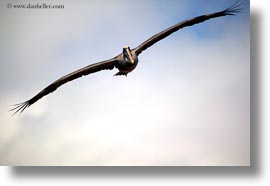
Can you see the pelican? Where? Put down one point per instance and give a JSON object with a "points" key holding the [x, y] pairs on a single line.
{"points": [[126, 61]]}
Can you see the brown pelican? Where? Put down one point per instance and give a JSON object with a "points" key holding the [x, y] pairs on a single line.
{"points": [[128, 59]]}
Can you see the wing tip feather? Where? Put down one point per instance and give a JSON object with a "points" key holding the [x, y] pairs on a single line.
{"points": [[234, 8], [20, 107]]}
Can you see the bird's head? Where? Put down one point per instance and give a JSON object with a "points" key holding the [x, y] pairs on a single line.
{"points": [[127, 54]]}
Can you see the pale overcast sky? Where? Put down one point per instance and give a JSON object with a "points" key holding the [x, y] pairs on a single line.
{"points": [[186, 103]]}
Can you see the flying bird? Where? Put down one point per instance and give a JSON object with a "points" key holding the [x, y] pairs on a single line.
{"points": [[126, 61]]}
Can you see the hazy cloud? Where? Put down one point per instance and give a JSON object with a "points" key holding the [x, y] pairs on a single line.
{"points": [[187, 102]]}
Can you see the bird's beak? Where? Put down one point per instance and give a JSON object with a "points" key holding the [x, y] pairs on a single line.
{"points": [[130, 58]]}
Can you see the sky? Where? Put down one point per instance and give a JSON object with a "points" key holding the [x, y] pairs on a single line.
{"points": [[186, 104]]}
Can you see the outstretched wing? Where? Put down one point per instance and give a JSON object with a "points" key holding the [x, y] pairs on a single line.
{"points": [[104, 65], [235, 8]]}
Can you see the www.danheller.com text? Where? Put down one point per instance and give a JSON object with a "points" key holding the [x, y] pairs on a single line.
{"points": [[35, 6]]}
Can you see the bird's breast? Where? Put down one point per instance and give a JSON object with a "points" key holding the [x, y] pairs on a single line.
{"points": [[124, 65]]}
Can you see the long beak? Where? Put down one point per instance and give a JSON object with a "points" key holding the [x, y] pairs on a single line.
{"points": [[130, 56]]}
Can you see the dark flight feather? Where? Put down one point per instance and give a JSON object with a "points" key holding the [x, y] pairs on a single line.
{"points": [[104, 65], [232, 10]]}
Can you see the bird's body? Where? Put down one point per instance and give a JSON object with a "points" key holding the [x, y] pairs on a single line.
{"points": [[128, 60]]}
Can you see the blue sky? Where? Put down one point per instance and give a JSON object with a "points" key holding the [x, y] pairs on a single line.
{"points": [[186, 103]]}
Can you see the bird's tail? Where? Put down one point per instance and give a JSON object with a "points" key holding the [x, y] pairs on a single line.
{"points": [[121, 73]]}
